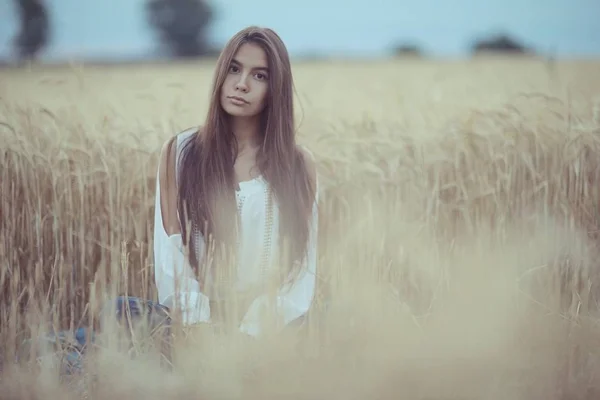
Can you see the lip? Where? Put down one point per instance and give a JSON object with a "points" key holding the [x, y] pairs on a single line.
{"points": [[237, 100]]}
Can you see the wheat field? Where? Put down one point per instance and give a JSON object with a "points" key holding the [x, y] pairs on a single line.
{"points": [[460, 211]]}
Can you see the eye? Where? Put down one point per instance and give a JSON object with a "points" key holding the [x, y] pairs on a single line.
{"points": [[234, 69], [261, 76]]}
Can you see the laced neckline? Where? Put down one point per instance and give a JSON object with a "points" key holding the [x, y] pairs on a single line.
{"points": [[249, 183]]}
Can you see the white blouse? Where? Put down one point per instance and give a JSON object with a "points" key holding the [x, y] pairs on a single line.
{"points": [[176, 282]]}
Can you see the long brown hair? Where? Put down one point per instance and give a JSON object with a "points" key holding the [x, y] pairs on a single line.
{"points": [[206, 194]]}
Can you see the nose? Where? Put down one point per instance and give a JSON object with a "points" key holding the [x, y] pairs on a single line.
{"points": [[241, 84]]}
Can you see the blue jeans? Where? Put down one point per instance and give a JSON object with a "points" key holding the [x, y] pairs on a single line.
{"points": [[127, 309]]}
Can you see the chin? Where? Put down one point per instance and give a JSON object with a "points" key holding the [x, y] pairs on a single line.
{"points": [[235, 113]]}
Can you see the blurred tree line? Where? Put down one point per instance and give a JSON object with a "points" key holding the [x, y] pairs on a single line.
{"points": [[501, 43], [180, 25], [181, 29], [34, 28]]}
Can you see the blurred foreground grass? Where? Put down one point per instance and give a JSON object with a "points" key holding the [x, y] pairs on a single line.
{"points": [[458, 239]]}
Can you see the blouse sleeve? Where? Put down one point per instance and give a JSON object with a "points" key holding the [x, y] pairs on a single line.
{"points": [[175, 281], [292, 300]]}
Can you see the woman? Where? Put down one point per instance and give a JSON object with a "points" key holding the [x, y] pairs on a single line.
{"points": [[235, 208], [236, 200]]}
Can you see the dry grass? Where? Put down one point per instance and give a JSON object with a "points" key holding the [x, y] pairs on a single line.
{"points": [[459, 218]]}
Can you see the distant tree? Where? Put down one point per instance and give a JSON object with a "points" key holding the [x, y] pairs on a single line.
{"points": [[410, 50], [499, 44], [34, 28], [181, 25]]}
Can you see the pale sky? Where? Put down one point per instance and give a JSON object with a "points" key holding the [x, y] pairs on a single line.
{"points": [[331, 27]]}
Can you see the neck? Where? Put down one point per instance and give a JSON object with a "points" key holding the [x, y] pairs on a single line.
{"points": [[246, 133]]}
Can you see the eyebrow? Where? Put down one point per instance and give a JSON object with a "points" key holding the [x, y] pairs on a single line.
{"points": [[234, 61]]}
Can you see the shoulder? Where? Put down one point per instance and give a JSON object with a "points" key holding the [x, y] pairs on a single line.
{"points": [[170, 146], [169, 152], [166, 168], [188, 133]]}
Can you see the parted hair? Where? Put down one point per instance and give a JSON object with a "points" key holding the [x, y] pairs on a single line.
{"points": [[206, 191]]}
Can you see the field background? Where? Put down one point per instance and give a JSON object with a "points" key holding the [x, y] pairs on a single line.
{"points": [[459, 227]]}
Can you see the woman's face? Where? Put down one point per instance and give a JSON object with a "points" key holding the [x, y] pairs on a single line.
{"points": [[244, 91]]}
